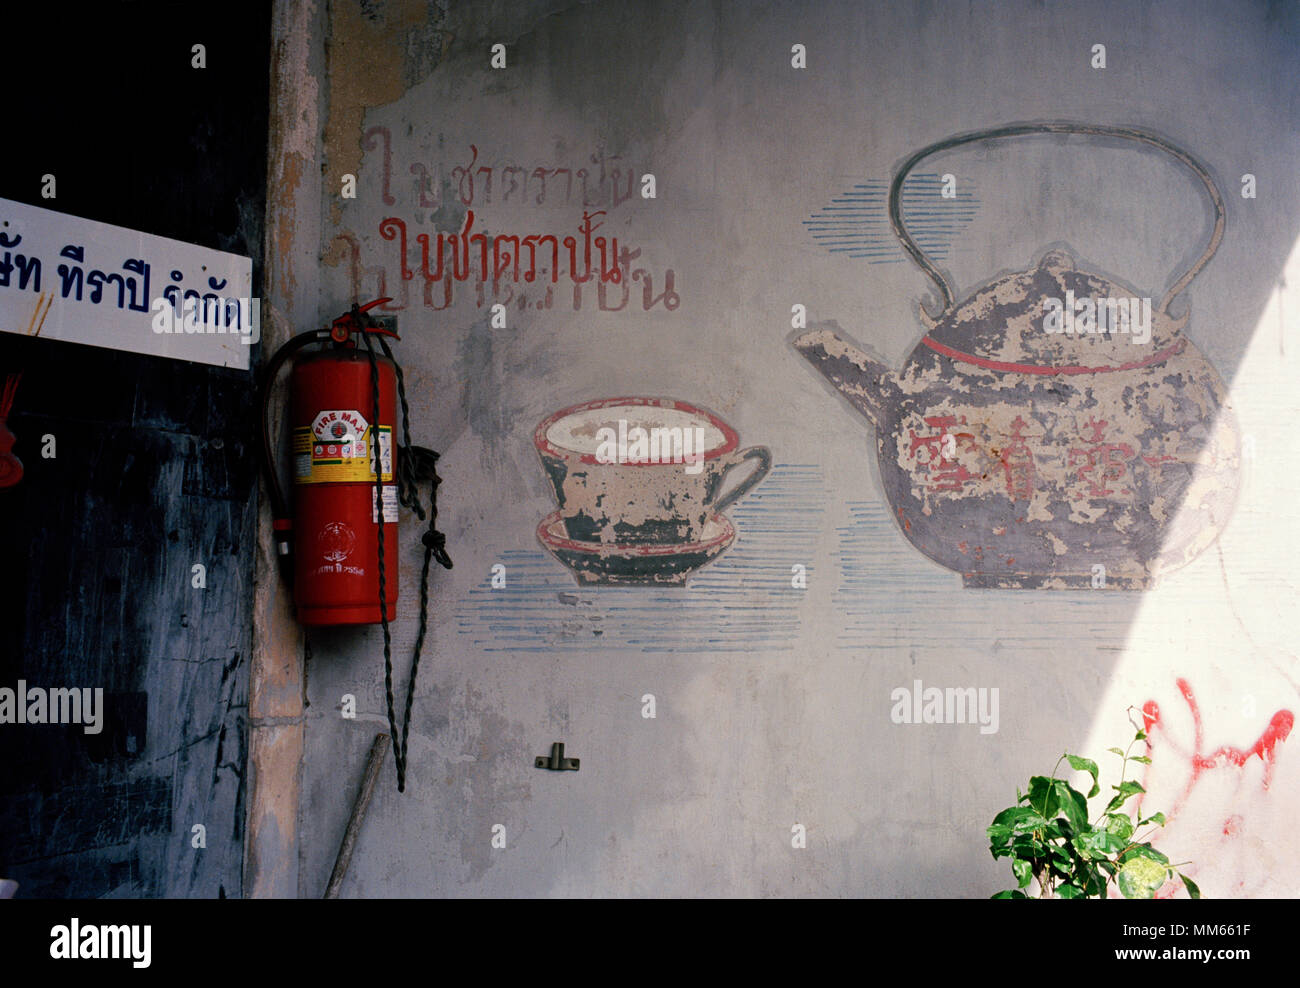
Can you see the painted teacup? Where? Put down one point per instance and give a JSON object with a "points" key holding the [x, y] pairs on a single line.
{"points": [[639, 471]]}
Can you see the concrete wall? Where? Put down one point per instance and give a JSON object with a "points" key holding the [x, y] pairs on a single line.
{"points": [[772, 701]]}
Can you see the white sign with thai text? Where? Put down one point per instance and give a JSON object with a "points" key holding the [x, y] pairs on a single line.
{"points": [[66, 278]]}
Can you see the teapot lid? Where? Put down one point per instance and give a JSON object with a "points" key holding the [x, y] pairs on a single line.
{"points": [[1056, 319]]}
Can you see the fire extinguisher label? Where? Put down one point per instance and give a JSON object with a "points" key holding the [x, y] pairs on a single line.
{"points": [[390, 505], [335, 449]]}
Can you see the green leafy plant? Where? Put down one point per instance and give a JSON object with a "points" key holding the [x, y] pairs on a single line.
{"points": [[1048, 838]]}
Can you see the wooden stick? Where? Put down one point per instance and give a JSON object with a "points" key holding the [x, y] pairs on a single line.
{"points": [[378, 751]]}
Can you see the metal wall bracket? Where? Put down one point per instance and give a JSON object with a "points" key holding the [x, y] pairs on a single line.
{"points": [[556, 762]]}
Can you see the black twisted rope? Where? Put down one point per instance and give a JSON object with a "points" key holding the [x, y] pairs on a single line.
{"points": [[408, 467]]}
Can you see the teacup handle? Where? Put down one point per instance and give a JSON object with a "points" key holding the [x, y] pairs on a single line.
{"points": [[764, 457]]}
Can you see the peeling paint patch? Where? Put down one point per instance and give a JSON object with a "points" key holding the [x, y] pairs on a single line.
{"points": [[376, 52], [1021, 458]]}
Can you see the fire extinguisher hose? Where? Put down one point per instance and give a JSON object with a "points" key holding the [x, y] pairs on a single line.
{"points": [[280, 514], [412, 462]]}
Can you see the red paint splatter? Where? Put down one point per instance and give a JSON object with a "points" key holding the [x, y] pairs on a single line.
{"points": [[1150, 715], [1265, 746]]}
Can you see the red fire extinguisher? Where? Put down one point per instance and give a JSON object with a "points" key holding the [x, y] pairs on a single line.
{"points": [[341, 422], [339, 545]]}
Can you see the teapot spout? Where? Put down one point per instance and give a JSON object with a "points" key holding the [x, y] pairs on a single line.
{"points": [[869, 385]]}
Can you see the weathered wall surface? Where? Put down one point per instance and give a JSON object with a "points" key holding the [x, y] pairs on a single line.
{"points": [[772, 701]]}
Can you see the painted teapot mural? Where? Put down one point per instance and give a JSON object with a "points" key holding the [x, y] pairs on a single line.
{"points": [[1052, 430]]}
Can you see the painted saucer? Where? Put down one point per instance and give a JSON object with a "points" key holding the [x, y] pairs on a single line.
{"points": [[614, 564]]}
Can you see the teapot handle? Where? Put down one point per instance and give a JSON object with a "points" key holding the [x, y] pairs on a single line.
{"points": [[1054, 127]]}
